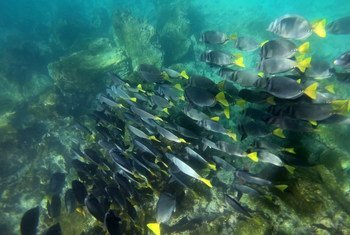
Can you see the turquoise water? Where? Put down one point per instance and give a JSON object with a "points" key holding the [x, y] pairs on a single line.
{"points": [[56, 62]]}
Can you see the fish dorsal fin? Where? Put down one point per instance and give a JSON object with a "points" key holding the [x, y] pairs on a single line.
{"points": [[304, 48], [311, 91], [319, 27]]}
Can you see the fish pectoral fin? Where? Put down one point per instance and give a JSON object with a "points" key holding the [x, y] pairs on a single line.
{"points": [[303, 64], [206, 181], [311, 91], [304, 48], [154, 227], [319, 27]]}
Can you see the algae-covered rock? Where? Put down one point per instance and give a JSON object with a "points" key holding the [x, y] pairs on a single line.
{"points": [[174, 30], [138, 38], [83, 71]]}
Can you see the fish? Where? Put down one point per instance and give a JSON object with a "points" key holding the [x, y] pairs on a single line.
{"points": [[169, 92], [186, 169], [122, 162], [54, 206], [343, 60], [144, 114], [268, 157], [232, 149], [193, 154], [214, 37], [249, 178], [236, 205], [94, 207], [150, 73], [141, 134], [255, 96], [244, 43], [70, 201], [339, 26], [79, 191], [116, 195], [199, 97], [245, 78], [276, 65], [296, 27], [226, 73], [217, 128], [112, 223], [57, 182], [319, 70], [196, 114], [290, 124], [219, 58], [287, 88], [175, 74], [30, 221], [164, 209], [54, 230], [204, 83], [169, 135], [253, 128], [244, 189], [282, 48]]}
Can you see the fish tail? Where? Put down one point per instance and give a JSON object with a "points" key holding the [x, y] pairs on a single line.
{"points": [[165, 76], [303, 64], [304, 48], [311, 91], [241, 102], [206, 181], [289, 168], [319, 27], [139, 87], [165, 110], [183, 141], [178, 86], [289, 150], [154, 227], [133, 99], [232, 135], [279, 132], [220, 97], [152, 137], [239, 60], [212, 166], [330, 88], [184, 74], [227, 112], [312, 122], [271, 100], [281, 187], [216, 119], [263, 43], [253, 156], [233, 36], [341, 106]]}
